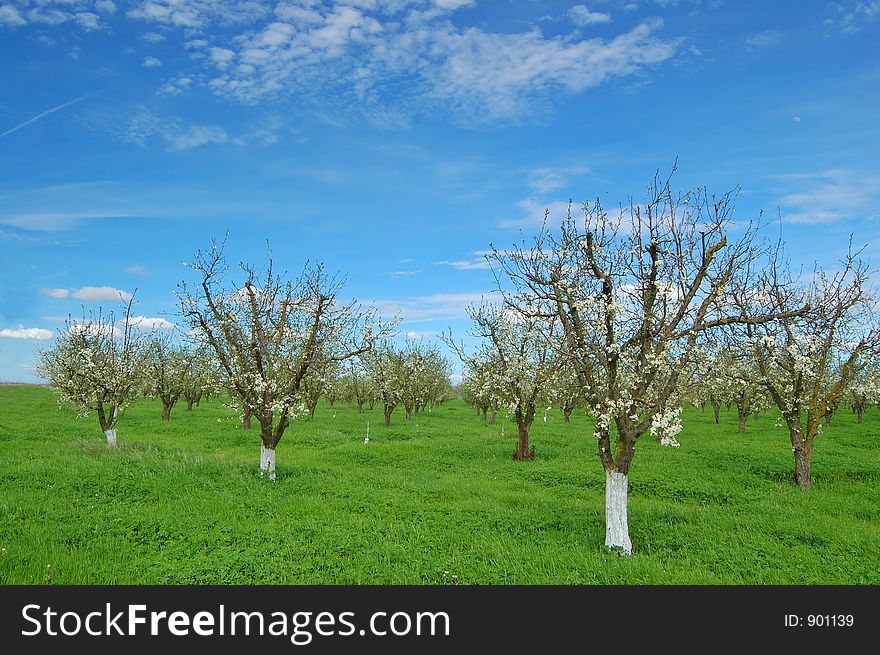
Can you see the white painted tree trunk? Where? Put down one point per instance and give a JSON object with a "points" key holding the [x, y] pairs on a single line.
{"points": [[267, 462], [616, 525], [111, 438]]}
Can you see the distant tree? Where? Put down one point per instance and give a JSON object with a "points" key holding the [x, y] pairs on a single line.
{"points": [[390, 374], [96, 365], [809, 359], [267, 332], [568, 393], [356, 384], [864, 391], [201, 378], [525, 368], [168, 367]]}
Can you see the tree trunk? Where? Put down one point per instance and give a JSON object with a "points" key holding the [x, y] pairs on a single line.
{"points": [[802, 460], [756, 414], [484, 410], [166, 411], [616, 520], [189, 404], [388, 410], [246, 420], [523, 452], [566, 414], [492, 417], [859, 415], [110, 433], [267, 462], [716, 410], [743, 414]]}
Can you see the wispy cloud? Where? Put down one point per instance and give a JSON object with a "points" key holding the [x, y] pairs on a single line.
{"points": [[401, 273], [582, 16], [56, 220], [420, 335], [97, 294], [35, 334], [49, 111], [478, 261], [763, 39], [55, 293], [853, 15], [11, 17], [829, 196], [547, 179], [434, 307], [137, 269], [143, 127], [151, 62], [152, 323], [152, 37], [532, 213]]}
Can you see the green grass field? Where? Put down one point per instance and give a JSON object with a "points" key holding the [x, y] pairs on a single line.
{"points": [[435, 500]]}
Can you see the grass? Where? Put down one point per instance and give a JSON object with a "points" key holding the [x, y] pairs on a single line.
{"points": [[435, 500]]}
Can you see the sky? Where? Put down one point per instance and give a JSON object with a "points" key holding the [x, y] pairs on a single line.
{"points": [[396, 140]]}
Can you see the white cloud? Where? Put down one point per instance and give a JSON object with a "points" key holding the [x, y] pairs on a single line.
{"points": [[854, 15], [830, 196], [55, 293], [796, 119], [434, 307], [384, 70], [452, 5], [545, 180], [532, 213], [195, 136], [39, 334], [763, 39], [379, 62], [504, 76], [96, 294], [107, 6], [477, 262], [49, 16], [10, 16], [169, 12], [137, 269], [88, 21], [144, 126], [582, 16], [402, 273], [175, 86], [152, 37], [152, 323], [221, 56], [419, 335]]}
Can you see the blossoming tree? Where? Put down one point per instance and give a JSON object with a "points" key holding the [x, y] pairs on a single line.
{"points": [[523, 367], [635, 295], [96, 365], [201, 378], [168, 368], [267, 332], [808, 361]]}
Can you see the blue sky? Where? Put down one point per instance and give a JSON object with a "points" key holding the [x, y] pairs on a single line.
{"points": [[395, 140]]}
